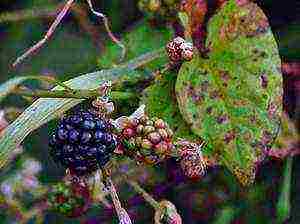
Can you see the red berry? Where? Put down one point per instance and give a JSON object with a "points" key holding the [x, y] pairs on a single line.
{"points": [[128, 132]]}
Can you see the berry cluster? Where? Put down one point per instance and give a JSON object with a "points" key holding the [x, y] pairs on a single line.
{"points": [[147, 140], [83, 142], [178, 50], [71, 200]]}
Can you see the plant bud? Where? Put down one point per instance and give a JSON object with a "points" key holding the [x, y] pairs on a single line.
{"points": [[140, 129], [159, 123], [128, 132], [149, 123], [162, 147], [149, 129], [170, 132], [144, 119], [139, 141], [146, 144], [163, 133], [187, 51], [154, 137]]}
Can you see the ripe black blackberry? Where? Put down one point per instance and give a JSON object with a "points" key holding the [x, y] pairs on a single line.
{"points": [[83, 142]]}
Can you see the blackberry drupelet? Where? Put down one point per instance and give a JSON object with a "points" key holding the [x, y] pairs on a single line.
{"points": [[83, 142]]}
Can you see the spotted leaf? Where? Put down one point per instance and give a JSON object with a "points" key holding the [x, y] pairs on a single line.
{"points": [[233, 98]]}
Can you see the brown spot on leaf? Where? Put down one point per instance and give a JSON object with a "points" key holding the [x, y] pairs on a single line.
{"points": [[266, 138], [239, 103], [228, 137], [224, 75], [252, 119], [214, 94], [204, 86], [222, 119], [195, 95], [247, 136], [209, 110], [272, 108], [264, 81]]}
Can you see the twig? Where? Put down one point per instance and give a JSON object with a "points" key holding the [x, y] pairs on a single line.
{"points": [[48, 34], [81, 14], [148, 198], [121, 212], [107, 27]]}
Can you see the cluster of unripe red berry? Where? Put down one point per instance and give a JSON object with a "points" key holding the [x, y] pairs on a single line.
{"points": [[147, 140]]}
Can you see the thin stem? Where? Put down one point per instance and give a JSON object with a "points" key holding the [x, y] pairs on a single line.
{"points": [[75, 94], [121, 212], [142, 192], [107, 27], [51, 30]]}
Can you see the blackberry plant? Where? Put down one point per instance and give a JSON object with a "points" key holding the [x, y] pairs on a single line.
{"points": [[224, 89]]}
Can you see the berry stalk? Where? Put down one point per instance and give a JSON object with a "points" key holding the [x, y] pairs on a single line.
{"points": [[148, 198]]}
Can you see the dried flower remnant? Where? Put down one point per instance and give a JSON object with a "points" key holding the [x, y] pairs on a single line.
{"points": [[179, 50], [193, 164]]}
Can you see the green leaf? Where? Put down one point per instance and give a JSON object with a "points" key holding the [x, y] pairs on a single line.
{"points": [[233, 98], [44, 110], [10, 85], [160, 101], [139, 40], [283, 207], [226, 215]]}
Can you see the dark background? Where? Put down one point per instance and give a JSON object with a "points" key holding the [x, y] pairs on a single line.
{"points": [[73, 50]]}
